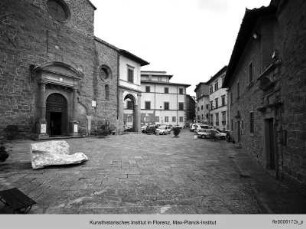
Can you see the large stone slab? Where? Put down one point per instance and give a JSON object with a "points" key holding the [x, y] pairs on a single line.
{"points": [[54, 153]]}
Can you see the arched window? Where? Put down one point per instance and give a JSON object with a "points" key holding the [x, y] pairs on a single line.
{"points": [[106, 92]]}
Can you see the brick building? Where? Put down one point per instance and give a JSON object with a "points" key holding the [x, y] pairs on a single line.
{"points": [[202, 105], [163, 102], [56, 77], [267, 87], [218, 116]]}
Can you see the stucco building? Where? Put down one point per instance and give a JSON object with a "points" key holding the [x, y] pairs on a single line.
{"points": [[130, 90], [267, 88], [218, 110], [56, 77], [202, 103], [163, 102]]}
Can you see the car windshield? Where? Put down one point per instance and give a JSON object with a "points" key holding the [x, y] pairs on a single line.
{"points": [[162, 127]]}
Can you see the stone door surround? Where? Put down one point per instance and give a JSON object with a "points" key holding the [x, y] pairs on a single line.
{"points": [[61, 74]]}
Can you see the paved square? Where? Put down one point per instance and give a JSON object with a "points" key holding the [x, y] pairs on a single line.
{"points": [[137, 173]]}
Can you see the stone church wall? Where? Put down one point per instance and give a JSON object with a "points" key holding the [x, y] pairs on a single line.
{"points": [[30, 37]]}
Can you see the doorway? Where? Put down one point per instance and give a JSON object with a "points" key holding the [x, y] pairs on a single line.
{"points": [[57, 117], [129, 114], [270, 143], [56, 123]]}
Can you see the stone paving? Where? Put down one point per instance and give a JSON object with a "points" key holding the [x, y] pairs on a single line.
{"points": [[148, 174]]}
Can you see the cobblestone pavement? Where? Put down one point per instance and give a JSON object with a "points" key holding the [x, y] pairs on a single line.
{"points": [[138, 173]]}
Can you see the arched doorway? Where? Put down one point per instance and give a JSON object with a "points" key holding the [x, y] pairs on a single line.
{"points": [[129, 113], [56, 115]]}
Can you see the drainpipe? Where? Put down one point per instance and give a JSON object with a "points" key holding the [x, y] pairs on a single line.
{"points": [[118, 91], [177, 89]]}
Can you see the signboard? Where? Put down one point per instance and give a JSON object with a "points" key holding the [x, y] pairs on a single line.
{"points": [[43, 128], [75, 128]]}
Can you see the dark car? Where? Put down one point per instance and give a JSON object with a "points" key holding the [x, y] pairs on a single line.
{"points": [[150, 129]]}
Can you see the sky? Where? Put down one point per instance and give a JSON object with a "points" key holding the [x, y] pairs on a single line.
{"points": [[189, 39]]}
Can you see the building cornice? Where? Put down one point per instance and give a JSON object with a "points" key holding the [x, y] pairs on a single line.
{"points": [[164, 83]]}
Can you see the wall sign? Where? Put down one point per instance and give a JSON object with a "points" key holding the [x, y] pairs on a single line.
{"points": [[43, 128], [75, 128]]}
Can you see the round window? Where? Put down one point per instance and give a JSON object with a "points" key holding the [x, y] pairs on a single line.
{"points": [[58, 10], [105, 72]]}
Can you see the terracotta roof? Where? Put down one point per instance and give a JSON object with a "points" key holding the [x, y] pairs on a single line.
{"points": [[248, 23], [124, 52], [156, 73], [222, 70], [131, 56], [106, 43], [93, 6], [165, 83], [198, 85]]}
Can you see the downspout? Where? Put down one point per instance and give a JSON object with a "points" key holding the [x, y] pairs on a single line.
{"points": [[177, 108], [155, 102], [118, 92]]}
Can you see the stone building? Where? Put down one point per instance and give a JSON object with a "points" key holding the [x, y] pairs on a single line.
{"points": [[190, 109], [202, 105], [267, 88], [56, 77], [163, 102], [218, 116]]}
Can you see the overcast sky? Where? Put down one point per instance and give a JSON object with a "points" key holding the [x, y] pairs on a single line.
{"points": [[191, 39]]}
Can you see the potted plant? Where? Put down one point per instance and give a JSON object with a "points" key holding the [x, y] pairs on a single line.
{"points": [[176, 131], [3, 153]]}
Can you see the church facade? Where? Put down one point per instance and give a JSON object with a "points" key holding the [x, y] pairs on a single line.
{"points": [[56, 77]]}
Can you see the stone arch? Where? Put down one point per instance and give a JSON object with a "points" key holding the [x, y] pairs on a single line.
{"points": [[131, 95], [130, 113], [59, 68]]}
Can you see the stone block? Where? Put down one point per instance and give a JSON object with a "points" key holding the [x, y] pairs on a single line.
{"points": [[54, 153]]}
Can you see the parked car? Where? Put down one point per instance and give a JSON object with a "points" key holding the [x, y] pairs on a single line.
{"points": [[163, 130], [214, 133], [150, 129], [202, 126], [210, 133], [128, 129], [178, 126], [170, 126], [192, 127], [203, 133], [143, 128], [195, 126]]}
